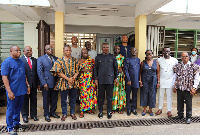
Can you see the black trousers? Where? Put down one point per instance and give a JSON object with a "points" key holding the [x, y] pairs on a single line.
{"points": [[181, 96], [101, 96], [51, 95], [130, 89], [33, 104]]}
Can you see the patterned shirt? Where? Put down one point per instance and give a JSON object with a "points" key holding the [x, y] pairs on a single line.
{"points": [[186, 76], [69, 68]]}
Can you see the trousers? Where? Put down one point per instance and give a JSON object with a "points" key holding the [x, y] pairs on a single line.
{"points": [[169, 98], [53, 96], [33, 104], [181, 96], [73, 95], [13, 111], [130, 89], [108, 88]]}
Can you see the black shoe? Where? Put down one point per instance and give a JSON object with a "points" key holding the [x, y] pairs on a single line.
{"points": [[100, 115], [134, 112], [188, 120], [47, 118], [178, 117], [20, 126], [25, 119], [35, 118], [109, 115], [128, 112], [55, 116]]}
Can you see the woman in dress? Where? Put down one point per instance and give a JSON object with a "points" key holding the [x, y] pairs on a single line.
{"points": [[149, 82], [88, 93], [119, 93]]}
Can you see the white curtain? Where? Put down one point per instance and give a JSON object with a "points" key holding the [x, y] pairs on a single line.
{"points": [[153, 39]]}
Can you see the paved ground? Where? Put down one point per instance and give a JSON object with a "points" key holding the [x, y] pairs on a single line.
{"points": [[162, 129], [176, 129]]}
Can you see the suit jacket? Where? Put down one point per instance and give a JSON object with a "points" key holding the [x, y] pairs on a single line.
{"points": [[44, 66], [105, 69], [31, 74], [132, 71]]}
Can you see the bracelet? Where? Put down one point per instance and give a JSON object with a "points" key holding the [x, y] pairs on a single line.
{"points": [[28, 85]]}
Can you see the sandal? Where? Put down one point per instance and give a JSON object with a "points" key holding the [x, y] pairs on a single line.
{"points": [[113, 112], [151, 113], [63, 118], [144, 112], [120, 112], [81, 115], [159, 112], [91, 112], [73, 116]]}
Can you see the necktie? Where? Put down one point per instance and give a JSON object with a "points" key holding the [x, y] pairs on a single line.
{"points": [[29, 63], [51, 59]]}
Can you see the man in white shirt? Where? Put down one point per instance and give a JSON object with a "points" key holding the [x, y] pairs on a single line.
{"points": [[91, 52], [167, 79], [76, 51]]}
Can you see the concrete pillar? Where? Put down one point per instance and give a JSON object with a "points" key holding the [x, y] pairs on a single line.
{"points": [[140, 35], [140, 42], [59, 33], [31, 37], [59, 43]]}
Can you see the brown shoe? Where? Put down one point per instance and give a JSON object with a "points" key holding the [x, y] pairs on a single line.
{"points": [[63, 117], [73, 116], [169, 114], [159, 112]]}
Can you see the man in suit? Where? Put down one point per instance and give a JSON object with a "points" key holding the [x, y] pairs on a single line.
{"points": [[105, 73], [132, 73], [31, 74], [47, 82]]}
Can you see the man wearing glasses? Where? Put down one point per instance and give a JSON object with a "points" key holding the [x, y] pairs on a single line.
{"points": [[186, 84], [47, 82], [167, 78]]}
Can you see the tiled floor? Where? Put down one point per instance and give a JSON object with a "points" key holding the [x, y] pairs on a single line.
{"points": [[88, 117]]}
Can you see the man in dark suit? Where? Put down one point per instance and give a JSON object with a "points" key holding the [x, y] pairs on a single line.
{"points": [[31, 75], [47, 82], [105, 73]]}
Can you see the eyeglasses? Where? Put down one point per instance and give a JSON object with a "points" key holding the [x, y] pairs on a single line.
{"points": [[148, 54], [49, 49], [166, 51]]}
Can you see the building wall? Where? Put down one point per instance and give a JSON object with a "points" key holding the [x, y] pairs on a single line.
{"points": [[31, 37]]}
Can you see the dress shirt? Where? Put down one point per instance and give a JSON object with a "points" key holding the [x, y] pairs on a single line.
{"points": [[51, 59], [27, 59], [167, 75]]}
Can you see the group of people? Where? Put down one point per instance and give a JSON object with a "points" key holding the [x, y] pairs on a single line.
{"points": [[79, 72]]}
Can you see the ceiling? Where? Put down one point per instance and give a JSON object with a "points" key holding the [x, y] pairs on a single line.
{"points": [[100, 13]]}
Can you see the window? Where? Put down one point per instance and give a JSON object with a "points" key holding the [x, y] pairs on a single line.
{"points": [[11, 34], [82, 38]]}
